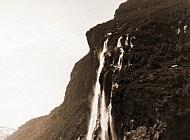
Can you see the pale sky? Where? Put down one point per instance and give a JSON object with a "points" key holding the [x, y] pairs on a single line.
{"points": [[40, 40]]}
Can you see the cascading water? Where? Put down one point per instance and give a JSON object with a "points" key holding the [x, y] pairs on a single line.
{"points": [[131, 44], [119, 66], [94, 108], [119, 42], [121, 55], [126, 40], [104, 112], [104, 119], [113, 134]]}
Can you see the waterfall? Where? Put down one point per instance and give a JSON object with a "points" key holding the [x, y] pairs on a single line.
{"points": [[131, 44], [104, 119], [104, 113], [94, 107], [120, 58], [127, 40], [185, 29], [121, 55], [119, 66], [119, 42], [113, 134]]}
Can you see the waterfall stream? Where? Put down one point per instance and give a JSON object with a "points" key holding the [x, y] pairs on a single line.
{"points": [[113, 134], [94, 109], [106, 119]]}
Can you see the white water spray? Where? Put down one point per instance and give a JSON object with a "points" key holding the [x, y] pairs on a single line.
{"points": [[104, 119], [185, 29], [121, 55], [131, 44], [119, 42], [113, 134], [126, 40], [104, 114], [94, 108], [178, 31]]}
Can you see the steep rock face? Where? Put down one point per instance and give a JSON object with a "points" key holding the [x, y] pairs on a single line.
{"points": [[69, 120], [150, 93]]}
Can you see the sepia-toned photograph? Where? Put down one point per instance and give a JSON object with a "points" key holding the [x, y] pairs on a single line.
{"points": [[95, 70]]}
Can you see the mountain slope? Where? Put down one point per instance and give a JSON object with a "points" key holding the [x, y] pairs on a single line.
{"points": [[68, 120], [150, 93]]}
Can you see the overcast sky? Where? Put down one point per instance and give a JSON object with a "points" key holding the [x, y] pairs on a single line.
{"points": [[40, 40]]}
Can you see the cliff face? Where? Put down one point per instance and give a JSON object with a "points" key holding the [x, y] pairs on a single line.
{"points": [[69, 120], [150, 92]]}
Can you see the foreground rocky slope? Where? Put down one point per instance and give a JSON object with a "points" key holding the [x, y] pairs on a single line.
{"points": [[151, 91]]}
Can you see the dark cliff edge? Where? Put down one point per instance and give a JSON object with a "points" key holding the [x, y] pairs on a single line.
{"points": [[151, 92]]}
